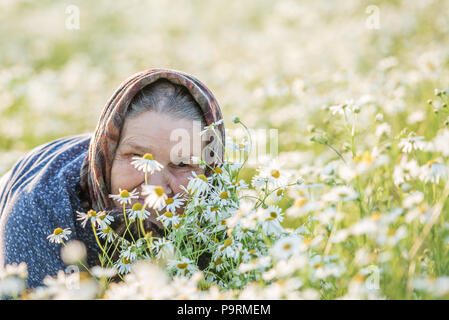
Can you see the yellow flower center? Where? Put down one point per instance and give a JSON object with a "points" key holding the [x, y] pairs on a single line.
{"points": [[391, 232], [148, 156], [159, 191], [227, 243], [107, 230], [218, 170], [300, 202], [169, 201], [202, 177], [124, 194], [168, 214], [365, 157], [182, 265], [279, 192], [137, 207], [431, 162], [92, 213], [275, 173], [224, 195], [125, 260], [57, 231], [214, 209], [176, 226], [287, 246], [273, 215], [375, 216]]}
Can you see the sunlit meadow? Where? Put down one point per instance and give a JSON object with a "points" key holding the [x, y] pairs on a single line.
{"points": [[354, 206]]}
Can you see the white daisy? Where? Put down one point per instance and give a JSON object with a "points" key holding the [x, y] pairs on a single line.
{"points": [[125, 196], [433, 172], [184, 266], [340, 193], [198, 184], [146, 163], [230, 249], [59, 235], [84, 217], [155, 196], [271, 220], [212, 126], [271, 176], [138, 211], [123, 265], [164, 248], [96, 218], [105, 232], [104, 219], [286, 247], [411, 143], [172, 204], [169, 218]]}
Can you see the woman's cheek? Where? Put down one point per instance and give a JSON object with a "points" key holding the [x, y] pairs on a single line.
{"points": [[125, 176], [179, 180]]}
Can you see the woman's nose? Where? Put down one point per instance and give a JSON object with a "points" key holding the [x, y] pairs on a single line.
{"points": [[159, 178]]}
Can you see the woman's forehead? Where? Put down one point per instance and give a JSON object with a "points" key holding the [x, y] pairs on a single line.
{"points": [[157, 133]]}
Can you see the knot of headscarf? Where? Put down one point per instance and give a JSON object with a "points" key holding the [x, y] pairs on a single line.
{"points": [[95, 181]]}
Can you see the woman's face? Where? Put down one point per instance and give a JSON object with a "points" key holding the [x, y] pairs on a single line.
{"points": [[158, 134]]}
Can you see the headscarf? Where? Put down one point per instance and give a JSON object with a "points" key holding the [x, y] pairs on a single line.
{"points": [[96, 170]]}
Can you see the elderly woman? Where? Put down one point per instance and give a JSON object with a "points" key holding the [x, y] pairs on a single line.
{"points": [[45, 189]]}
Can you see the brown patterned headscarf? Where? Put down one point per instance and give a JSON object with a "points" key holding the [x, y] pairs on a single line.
{"points": [[96, 170]]}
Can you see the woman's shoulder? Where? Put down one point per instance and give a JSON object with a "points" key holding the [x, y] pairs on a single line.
{"points": [[53, 164]]}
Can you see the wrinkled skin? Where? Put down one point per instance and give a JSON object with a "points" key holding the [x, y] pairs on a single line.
{"points": [[155, 133]]}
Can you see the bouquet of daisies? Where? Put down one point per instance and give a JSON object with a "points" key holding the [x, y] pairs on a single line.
{"points": [[222, 229]]}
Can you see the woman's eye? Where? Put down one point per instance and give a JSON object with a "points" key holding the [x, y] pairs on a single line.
{"points": [[182, 164]]}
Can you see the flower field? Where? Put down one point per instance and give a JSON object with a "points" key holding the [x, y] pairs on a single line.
{"points": [[354, 206]]}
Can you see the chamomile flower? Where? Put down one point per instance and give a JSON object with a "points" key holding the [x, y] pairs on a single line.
{"points": [[125, 196], [59, 235], [173, 203], [169, 218], [433, 172], [155, 196], [202, 236], [183, 266], [286, 247], [271, 176], [271, 220], [130, 252], [411, 143], [123, 265], [340, 194], [84, 217], [211, 127], [165, 248], [222, 197], [138, 212], [146, 163], [230, 249], [198, 184], [96, 218], [104, 219], [278, 194], [105, 232]]}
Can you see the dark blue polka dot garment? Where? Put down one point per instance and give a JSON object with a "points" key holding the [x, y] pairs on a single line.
{"points": [[41, 193]]}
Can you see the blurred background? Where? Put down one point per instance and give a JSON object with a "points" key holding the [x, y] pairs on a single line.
{"points": [[275, 64]]}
